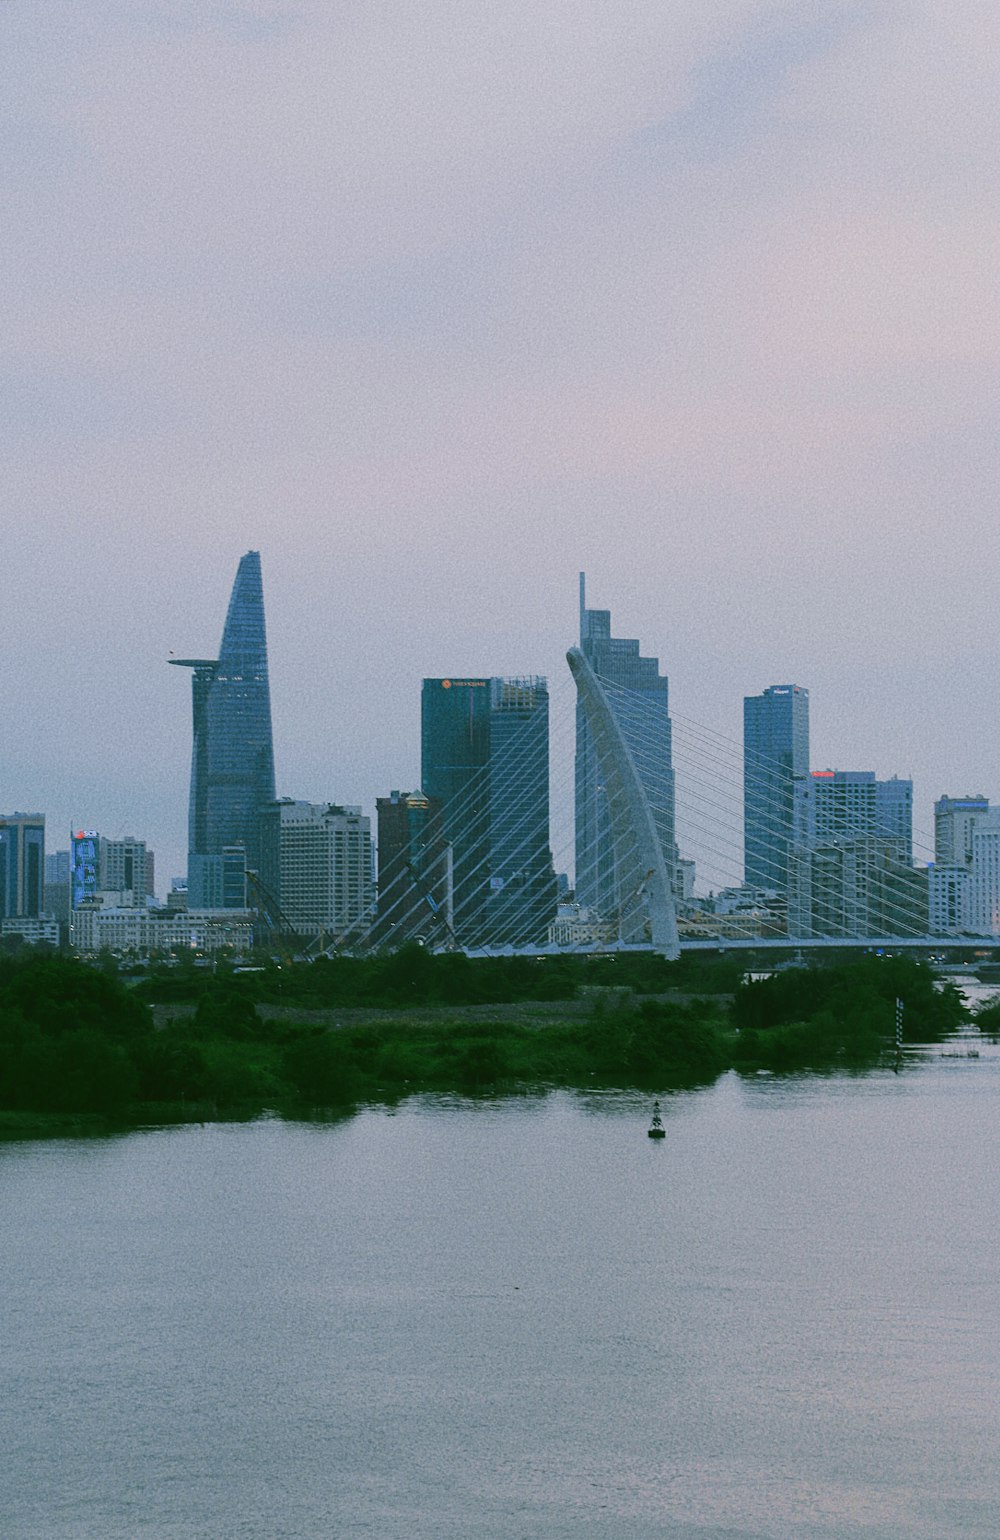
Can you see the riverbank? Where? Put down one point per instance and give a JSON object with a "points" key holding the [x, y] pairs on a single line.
{"points": [[76, 1043]]}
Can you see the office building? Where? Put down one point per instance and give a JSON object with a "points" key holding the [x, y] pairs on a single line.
{"points": [[56, 888], [98, 864], [638, 696], [835, 805], [949, 894], [894, 815], [22, 866], [219, 881], [854, 886], [850, 870], [414, 871], [317, 868], [955, 819], [232, 758], [775, 765], [57, 868], [135, 932], [485, 759], [983, 910], [959, 905]]}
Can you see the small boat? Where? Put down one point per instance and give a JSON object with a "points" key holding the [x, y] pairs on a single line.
{"points": [[656, 1129]]}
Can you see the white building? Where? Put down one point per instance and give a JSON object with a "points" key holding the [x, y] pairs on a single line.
{"points": [[955, 820], [32, 928], [316, 859], [576, 926], [949, 892], [138, 932], [984, 877]]}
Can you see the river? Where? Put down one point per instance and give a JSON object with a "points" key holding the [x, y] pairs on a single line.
{"points": [[516, 1318]]}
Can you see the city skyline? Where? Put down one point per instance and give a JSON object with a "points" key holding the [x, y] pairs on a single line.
{"points": [[248, 583]]}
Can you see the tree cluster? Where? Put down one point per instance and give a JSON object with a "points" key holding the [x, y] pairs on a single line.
{"points": [[75, 1039]]}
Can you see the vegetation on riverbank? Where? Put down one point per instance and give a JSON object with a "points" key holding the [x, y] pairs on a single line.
{"points": [[815, 1017], [76, 1041]]}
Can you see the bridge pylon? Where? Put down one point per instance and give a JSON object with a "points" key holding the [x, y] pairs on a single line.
{"points": [[639, 861]]}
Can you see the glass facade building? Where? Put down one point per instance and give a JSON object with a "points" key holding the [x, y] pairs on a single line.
{"points": [[775, 767], [22, 865], [638, 695], [894, 814], [232, 758], [485, 758], [85, 863], [414, 871]]}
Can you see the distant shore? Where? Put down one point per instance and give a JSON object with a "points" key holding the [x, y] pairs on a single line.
{"points": [[82, 1051]]}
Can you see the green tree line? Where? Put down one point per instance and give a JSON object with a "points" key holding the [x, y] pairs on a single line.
{"points": [[76, 1039]]}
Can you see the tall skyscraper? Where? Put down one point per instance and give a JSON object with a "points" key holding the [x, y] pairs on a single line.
{"points": [[775, 764], [485, 758], [232, 758], [22, 865], [638, 695]]}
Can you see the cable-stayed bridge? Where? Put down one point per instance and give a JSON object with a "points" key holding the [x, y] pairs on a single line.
{"points": [[859, 887]]}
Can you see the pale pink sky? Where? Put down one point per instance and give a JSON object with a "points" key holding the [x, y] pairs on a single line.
{"points": [[435, 304]]}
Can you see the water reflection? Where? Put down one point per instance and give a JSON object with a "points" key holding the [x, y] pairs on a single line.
{"points": [[517, 1317]]}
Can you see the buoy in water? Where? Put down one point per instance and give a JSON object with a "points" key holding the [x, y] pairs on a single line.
{"points": [[656, 1129]]}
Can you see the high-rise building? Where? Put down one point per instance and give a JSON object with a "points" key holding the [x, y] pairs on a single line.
{"points": [[57, 867], [850, 804], [22, 865], [638, 696], [955, 819], [982, 913], [219, 881], [850, 868], [838, 805], [101, 865], [949, 899], [775, 764], [958, 903], [56, 887], [232, 759], [894, 815], [414, 870], [485, 758], [855, 886], [317, 865]]}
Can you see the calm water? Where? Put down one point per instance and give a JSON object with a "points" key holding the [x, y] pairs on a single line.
{"points": [[516, 1319]]}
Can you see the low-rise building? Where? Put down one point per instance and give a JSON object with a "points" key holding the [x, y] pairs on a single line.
{"points": [[98, 927]]}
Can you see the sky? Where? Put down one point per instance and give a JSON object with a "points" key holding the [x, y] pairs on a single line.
{"points": [[437, 304]]}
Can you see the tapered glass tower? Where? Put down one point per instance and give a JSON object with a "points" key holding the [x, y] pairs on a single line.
{"points": [[232, 759]]}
